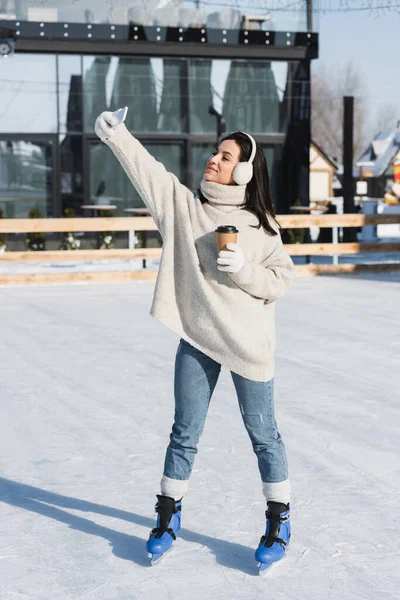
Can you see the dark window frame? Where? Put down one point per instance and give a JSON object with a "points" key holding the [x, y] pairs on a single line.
{"points": [[55, 158]]}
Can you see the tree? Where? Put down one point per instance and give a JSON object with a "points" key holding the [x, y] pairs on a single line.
{"points": [[386, 117], [328, 87]]}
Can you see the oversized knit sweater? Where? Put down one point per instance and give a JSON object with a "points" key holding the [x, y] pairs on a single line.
{"points": [[229, 317]]}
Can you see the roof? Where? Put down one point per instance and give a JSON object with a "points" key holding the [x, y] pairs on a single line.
{"points": [[381, 152], [326, 156]]}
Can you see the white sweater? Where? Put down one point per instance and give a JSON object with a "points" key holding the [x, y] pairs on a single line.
{"points": [[229, 317]]}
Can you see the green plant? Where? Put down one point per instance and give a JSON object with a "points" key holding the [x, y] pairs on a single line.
{"points": [[296, 236], [69, 238], [35, 241], [106, 237], [3, 236]]}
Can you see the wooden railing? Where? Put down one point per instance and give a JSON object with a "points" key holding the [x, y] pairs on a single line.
{"points": [[134, 224]]}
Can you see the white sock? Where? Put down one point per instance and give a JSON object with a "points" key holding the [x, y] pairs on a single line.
{"points": [[173, 488], [277, 492]]}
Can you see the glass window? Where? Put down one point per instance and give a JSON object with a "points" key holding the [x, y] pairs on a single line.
{"points": [[202, 92], [95, 70], [69, 93], [110, 185], [251, 95], [200, 155], [251, 99], [169, 74], [28, 99], [150, 87], [71, 175], [273, 157], [25, 178], [207, 80]]}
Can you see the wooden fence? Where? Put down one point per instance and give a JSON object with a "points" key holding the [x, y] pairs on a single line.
{"points": [[134, 224]]}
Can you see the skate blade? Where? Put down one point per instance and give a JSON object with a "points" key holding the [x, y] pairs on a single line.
{"points": [[155, 558], [263, 567]]}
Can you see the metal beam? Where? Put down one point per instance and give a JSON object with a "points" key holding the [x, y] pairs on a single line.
{"points": [[165, 50]]}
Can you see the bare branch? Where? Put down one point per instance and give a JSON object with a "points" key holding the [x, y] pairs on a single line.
{"points": [[386, 117], [328, 89]]}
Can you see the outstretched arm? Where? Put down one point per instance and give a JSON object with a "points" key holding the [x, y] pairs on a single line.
{"points": [[157, 187]]}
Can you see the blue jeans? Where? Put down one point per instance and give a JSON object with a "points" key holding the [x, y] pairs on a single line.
{"points": [[196, 376]]}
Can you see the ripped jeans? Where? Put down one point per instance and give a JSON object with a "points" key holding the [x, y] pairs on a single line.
{"points": [[196, 376]]}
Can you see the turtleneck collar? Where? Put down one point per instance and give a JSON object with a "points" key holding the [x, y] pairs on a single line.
{"points": [[223, 197]]}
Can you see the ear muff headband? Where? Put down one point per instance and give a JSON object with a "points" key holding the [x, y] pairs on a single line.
{"points": [[253, 147], [243, 172]]}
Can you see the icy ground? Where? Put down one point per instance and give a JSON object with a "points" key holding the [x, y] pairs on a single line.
{"points": [[86, 392]]}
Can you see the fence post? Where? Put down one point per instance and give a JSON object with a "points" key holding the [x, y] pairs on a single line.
{"points": [[131, 239], [335, 240]]}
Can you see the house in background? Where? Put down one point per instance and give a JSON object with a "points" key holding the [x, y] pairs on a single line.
{"points": [[323, 170], [376, 164]]}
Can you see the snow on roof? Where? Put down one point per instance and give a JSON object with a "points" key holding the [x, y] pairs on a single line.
{"points": [[381, 152]]}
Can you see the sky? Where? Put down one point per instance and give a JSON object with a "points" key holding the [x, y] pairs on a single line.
{"points": [[370, 40]]}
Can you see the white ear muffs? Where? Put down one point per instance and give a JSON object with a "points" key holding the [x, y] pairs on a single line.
{"points": [[243, 172]]}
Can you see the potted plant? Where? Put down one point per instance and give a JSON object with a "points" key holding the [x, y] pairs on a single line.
{"points": [[37, 240], [106, 237], [69, 239]]}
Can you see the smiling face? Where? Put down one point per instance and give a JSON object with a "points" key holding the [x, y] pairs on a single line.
{"points": [[221, 163]]}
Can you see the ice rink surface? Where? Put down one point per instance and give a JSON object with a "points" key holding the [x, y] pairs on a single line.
{"points": [[86, 391]]}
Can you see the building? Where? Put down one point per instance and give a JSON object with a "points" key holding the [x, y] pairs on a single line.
{"points": [[379, 163], [322, 174], [168, 62]]}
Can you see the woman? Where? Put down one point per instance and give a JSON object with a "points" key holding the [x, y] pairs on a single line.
{"points": [[222, 306]]}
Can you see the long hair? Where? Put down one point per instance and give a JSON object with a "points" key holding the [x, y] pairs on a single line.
{"points": [[258, 193]]}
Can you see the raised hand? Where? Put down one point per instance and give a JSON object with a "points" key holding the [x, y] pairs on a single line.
{"points": [[105, 124]]}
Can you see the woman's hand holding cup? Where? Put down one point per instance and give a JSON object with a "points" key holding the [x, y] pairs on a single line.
{"points": [[230, 256], [231, 261]]}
